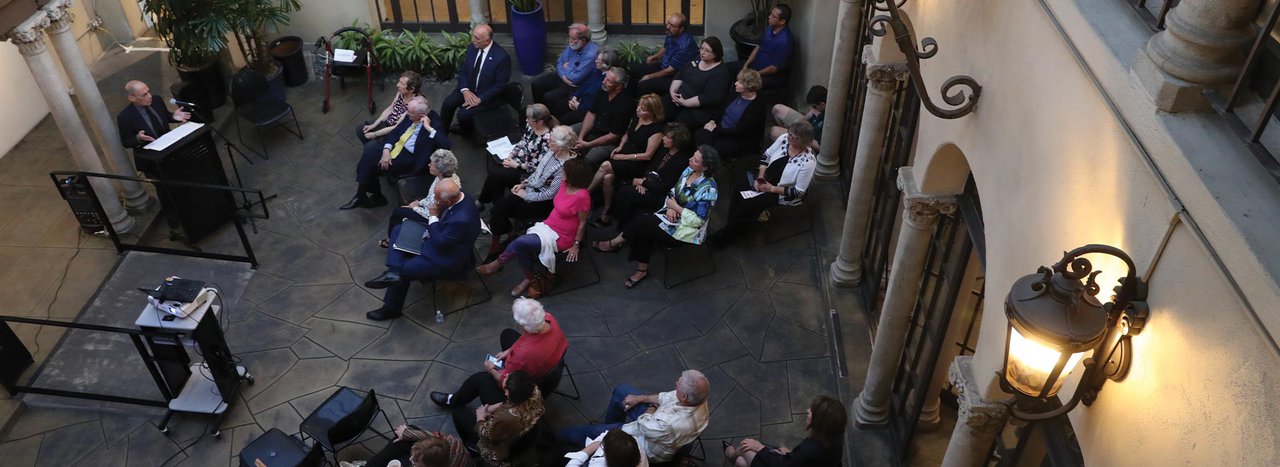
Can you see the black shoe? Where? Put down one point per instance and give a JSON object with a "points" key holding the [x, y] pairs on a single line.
{"points": [[356, 202], [441, 399], [382, 315], [376, 201], [383, 281]]}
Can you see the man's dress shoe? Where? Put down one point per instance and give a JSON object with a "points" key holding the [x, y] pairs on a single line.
{"points": [[383, 281], [356, 202], [441, 399], [382, 315]]}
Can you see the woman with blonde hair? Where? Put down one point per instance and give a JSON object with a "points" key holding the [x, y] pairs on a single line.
{"points": [[638, 145]]}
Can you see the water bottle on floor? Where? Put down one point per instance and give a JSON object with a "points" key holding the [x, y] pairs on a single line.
{"points": [[439, 317]]}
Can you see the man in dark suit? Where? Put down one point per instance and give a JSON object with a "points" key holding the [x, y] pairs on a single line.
{"points": [[146, 118], [484, 73], [447, 245], [406, 150]]}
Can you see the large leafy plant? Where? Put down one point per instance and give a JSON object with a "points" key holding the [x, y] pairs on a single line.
{"points": [[185, 28], [249, 21], [633, 52]]}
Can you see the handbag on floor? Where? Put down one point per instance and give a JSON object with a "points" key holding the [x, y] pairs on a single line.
{"points": [[542, 283]]}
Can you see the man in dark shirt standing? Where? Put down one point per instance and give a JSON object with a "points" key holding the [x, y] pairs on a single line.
{"points": [[607, 121], [145, 119], [772, 56], [678, 51]]}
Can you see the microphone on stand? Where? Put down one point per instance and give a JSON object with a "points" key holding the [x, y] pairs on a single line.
{"points": [[173, 101]]}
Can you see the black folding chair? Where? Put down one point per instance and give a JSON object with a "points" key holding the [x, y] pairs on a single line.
{"points": [[277, 449], [666, 253], [337, 422], [782, 227], [551, 382], [249, 92]]}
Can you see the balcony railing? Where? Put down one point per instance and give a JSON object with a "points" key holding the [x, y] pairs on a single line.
{"points": [[621, 16]]}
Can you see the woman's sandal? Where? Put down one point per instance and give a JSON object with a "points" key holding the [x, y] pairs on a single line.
{"points": [[605, 246], [491, 267], [521, 287], [384, 243], [632, 281]]}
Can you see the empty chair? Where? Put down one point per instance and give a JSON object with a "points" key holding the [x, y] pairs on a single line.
{"points": [[276, 449], [253, 102], [338, 421]]}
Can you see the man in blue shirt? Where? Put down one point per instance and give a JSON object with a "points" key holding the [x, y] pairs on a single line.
{"points": [[678, 51], [573, 67], [772, 56]]}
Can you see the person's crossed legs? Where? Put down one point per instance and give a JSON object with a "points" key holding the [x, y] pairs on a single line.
{"points": [[615, 416]]}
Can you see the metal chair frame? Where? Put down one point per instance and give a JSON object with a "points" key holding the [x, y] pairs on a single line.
{"points": [[666, 273], [333, 450], [771, 234]]}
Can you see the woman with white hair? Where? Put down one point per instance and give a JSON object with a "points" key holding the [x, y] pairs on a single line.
{"points": [[531, 199], [444, 166], [536, 350]]}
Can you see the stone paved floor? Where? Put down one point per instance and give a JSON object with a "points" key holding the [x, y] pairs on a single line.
{"points": [[758, 327]]}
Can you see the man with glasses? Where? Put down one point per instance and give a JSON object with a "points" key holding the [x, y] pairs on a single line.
{"points": [[678, 51], [576, 62], [406, 150], [772, 57], [485, 71]]}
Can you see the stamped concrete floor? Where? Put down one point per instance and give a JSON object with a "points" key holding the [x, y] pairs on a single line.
{"points": [[759, 327]]}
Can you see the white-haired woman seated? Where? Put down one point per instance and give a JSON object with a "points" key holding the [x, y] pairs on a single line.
{"points": [[444, 166], [536, 351]]}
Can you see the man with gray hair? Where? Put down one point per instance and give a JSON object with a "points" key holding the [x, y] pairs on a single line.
{"points": [[661, 423], [575, 63], [606, 122], [535, 350], [406, 150]]}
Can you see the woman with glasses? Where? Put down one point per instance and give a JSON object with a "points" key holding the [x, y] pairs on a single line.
{"points": [[524, 157]]}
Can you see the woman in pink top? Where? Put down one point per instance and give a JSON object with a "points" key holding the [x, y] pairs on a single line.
{"points": [[572, 205]]}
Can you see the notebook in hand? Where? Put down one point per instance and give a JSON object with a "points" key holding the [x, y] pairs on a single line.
{"points": [[410, 238]]}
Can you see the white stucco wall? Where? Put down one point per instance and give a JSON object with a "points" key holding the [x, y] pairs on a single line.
{"points": [[18, 92], [1056, 170], [322, 17]]}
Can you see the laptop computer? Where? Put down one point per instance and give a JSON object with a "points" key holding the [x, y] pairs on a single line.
{"points": [[410, 238]]}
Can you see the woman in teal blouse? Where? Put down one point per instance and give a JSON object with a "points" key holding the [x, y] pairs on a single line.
{"points": [[683, 219]]}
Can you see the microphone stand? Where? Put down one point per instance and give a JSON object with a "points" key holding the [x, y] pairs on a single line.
{"points": [[245, 205]]}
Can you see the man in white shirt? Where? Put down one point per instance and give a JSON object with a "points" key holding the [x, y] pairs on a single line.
{"points": [[661, 423]]}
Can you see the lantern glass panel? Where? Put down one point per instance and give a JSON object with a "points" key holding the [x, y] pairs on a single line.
{"points": [[1031, 363]]}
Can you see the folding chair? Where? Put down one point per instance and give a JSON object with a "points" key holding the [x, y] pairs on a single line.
{"points": [[666, 273], [253, 103], [778, 222], [337, 422]]}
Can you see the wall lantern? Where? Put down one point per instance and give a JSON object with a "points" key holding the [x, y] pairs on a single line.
{"points": [[1055, 319]]}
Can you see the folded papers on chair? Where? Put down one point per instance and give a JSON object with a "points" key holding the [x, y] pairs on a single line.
{"points": [[411, 237]]}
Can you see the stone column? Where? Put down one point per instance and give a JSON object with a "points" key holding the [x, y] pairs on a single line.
{"points": [[1201, 47], [479, 11], [919, 217], [848, 26], [978, 421], [595, 21], [36, 53], [137, 200], [882, 80]]}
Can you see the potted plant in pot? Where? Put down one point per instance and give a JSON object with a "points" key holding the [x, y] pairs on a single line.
{"points": [[746, 32], [529, 31], [193, 48], [249, 21]]}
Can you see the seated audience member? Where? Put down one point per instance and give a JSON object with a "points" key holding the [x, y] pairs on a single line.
{"points": [[699, 91], [532, 198], [145, 118], [485, 71], [573, 108], [535, 353], [644, 194], [824, 447], [613, 448], [785, 116], [773, 55], [443, 166], [406, 150], [632, 156], [682, 220], [576, 62], [414, 446], [406, 87], [524, 157], [678, 50], [661, 423], [452, 227], [606, 122], [561, 231], [494, 428], [785, 170], [740, 129]]}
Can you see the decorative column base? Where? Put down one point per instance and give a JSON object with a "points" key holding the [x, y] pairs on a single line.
{"points": [[1200, 47], [978, 420], [846, 273], [1169, 93]]}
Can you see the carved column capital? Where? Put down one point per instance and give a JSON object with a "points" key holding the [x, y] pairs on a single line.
{"points": [[28, 36], [59, 16], [976, 414], [883, 76], [920, 210]]}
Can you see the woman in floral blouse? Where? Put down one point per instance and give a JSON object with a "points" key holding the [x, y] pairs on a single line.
{"points": [[524, 157], [496, 427], [683, 218]]}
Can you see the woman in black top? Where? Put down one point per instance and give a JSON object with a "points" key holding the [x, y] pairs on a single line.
{"points": [[698, 92], [741, 125], [645, 193], [824, 446], [633, 153]]}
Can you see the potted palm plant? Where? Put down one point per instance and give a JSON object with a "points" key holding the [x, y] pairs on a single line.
{"points": [[249, 21], [193, 48], [747, 31], [529, 31]]}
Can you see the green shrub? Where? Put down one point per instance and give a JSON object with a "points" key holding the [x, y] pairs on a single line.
{"points": [[632, 52]]}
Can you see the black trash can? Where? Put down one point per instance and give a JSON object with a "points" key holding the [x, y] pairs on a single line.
{"points": [[288, 51]]}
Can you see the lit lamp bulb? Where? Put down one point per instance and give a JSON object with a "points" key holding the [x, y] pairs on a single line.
{"points": [[1031, 364]]}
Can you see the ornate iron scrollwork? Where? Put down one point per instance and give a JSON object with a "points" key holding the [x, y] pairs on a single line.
{"points": [[963, 103]]}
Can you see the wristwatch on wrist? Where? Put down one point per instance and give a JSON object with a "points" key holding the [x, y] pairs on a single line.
{"points": [[577, 243]]}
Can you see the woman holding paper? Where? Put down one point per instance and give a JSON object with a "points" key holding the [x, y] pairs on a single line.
{"points": [[524, 156], [785, 170], [444, 165], [683, 219]]}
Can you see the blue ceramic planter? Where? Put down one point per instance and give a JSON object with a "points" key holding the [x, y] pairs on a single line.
{"points": [[529, 31]]}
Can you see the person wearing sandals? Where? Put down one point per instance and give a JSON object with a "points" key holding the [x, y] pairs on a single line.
{"points": [[532, 198], [417, 447], [561, 231], [406, 87], [525, 155], [785, 170], [645, 193], [633, 153], [613, 448], [824, 447], [682, 220], [444, 166]]}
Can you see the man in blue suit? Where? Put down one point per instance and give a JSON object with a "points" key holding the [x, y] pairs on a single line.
{"points": [[447, 248], [484, 73], [406, 150]]}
